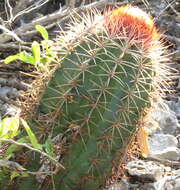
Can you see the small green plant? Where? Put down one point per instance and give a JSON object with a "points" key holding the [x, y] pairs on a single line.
{"points": [[10, 129], [41, 55]]}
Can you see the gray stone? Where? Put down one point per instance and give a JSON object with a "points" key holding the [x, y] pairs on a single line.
{"points": [[171, 183], [7, 109], [176, 172], [162, 184], [176, 179], [122, 185], [145, 171], [177, 184], [174, 106], [165, 117], [165, 183], [164, 147]]}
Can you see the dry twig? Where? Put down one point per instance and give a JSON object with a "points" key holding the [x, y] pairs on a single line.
{"points": [[35, 150], [14, 46], [60, 15]]}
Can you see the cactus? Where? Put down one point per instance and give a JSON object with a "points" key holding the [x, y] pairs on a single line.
{"points": [[107, 75]]}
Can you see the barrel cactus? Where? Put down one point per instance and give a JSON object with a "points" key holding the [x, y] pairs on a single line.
{"points": [[111, 65]]}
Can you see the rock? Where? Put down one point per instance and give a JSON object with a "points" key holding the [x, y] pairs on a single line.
{"points": [[166, 183], [145, 171], [7, 109], [172, 183], [178, 139], [159, 185], [122, 185], [164, 147], [165, 117], [177, 184], [176, 173], [10, 92], [175, 106]]}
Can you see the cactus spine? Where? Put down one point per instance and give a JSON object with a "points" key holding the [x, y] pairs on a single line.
{"points": [[104, 83]]}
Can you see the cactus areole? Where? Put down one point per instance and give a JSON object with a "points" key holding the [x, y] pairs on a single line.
{"points": [[107, 74]]}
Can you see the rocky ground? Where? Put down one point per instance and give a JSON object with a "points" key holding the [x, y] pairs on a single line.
{"points": [[161, 169]]}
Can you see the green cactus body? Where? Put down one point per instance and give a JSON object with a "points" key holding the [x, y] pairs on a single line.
{"points": [[99, 94], [101, 87]]}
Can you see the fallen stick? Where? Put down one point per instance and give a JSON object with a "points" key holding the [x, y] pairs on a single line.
{"points": [[54, 17]]}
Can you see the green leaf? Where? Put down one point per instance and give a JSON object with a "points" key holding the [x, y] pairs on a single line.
{"points": [[47, 43], [2, 175], [31, 135], [25, 57], [49, 148], [36, 52], [14, 148], [24, 174], [42, 31], [14, 174], [11, 58], [9, 127], [14, 126], [3, 129]]}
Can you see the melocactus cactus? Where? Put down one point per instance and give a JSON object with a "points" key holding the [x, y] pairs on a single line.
{"points": [[110, 67]]}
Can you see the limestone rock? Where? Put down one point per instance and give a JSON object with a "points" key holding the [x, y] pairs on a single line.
{"points": [[164, 147], [174, 106], [145, 171], [165, 117]]}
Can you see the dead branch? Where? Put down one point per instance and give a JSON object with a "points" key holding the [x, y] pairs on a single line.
{"points": [[34, 150], [21, 9], [60, 15], [165, 162], [11, 165], [33, 32], [21, 5], [14, 46], [10, 33], [14, 83]]}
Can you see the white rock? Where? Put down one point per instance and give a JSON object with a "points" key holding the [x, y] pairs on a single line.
{"points": [[145, 171], [174, 106], [122, 185], [164, 147], [165, 117], [177, 184]]}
